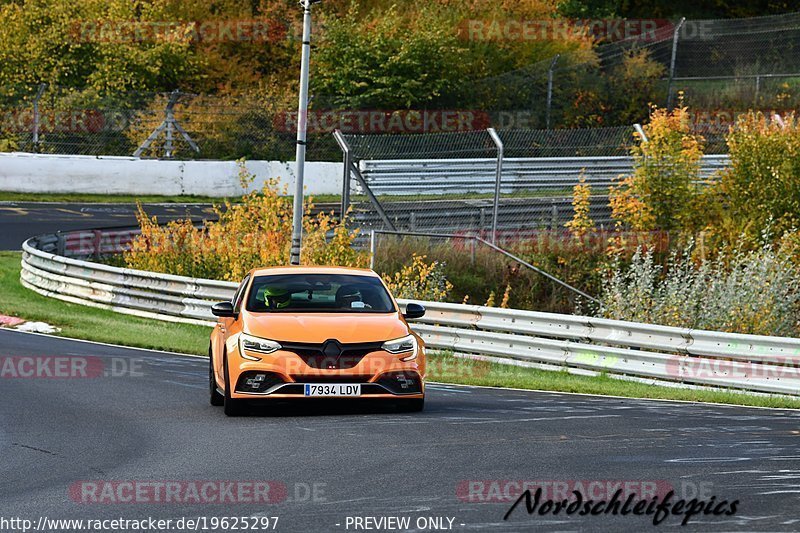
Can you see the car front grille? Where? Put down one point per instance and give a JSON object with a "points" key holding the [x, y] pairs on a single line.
{"points": [[301, 378], [331, 354]]}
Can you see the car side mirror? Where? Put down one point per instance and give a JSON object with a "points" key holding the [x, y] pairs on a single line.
{"points": [[223, 309], [414, 311]]}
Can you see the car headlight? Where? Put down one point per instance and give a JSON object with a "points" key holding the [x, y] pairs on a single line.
{"points": [[256, 344], [402, 345]]}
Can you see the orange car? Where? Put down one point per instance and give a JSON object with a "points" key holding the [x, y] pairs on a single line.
{"points": [[305, 332]]}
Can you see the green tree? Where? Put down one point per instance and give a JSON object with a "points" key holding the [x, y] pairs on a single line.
{"points": [[385, 63]]}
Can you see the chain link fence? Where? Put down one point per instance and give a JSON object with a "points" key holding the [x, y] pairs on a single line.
{"points": [[173, 125], [448, 182], [719, 68]]}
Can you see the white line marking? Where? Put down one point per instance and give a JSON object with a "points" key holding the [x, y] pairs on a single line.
{"points": [[538, 391]]}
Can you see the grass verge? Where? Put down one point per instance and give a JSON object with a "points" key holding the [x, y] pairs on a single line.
{"points": [[88, 323], [82, 322], [449, 369]]}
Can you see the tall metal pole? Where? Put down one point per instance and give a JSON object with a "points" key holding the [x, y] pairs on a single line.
{"points": [[672, 61], [302, 124], [497, 179]]}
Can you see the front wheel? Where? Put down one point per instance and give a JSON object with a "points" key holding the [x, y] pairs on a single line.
{"points": [[231, 406], [215, 398]]}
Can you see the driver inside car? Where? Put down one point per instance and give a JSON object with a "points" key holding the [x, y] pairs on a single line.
{"points": [[349, 297], [277, 298]]}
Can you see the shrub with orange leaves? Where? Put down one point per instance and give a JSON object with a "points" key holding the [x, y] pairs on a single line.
{"points": [[581, 222], [255, 232], [420, 280], [661, 192]]}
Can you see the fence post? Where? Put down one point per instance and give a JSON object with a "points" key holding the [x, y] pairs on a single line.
{"points": [[497, 179], [36, 116], [758, 88], [372, 247], [640, 131], [472, 251], [347, 160], [672, 62], [361, 181], [550, 89]]}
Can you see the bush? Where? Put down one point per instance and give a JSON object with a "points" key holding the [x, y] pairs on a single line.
{"points": [[634, 85], [755, 292], [253, 233], [761, 189], [661, 193], [487, 277], [420, 281], [581, 222]]}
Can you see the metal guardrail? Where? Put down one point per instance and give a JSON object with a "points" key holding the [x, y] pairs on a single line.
{"points": [[745, 362], [476, 214], [462, 176]]}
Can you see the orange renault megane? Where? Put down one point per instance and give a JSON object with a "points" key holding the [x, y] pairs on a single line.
{"points": [[305, 332]]}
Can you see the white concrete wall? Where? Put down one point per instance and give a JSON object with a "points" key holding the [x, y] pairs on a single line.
{"points": [[22, 172]]}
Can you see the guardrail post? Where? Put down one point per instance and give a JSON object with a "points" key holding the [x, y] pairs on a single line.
{"points": [[61, 244], [96, 243], [672, 62], [498, 177]]}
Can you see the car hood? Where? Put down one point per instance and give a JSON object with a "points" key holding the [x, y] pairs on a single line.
{"points": [[319, 327]]}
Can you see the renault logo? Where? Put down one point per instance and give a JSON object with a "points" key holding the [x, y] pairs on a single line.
{"points": [[331, 348]]}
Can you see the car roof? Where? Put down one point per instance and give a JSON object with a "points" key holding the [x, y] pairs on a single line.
{"points": [[315, 269]]}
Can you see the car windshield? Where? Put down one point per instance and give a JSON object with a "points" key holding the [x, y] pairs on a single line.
{"points": [[319, 293]]}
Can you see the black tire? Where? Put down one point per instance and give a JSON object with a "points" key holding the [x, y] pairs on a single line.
{"points": [[413, 405], [231, 406], [215, 398]]}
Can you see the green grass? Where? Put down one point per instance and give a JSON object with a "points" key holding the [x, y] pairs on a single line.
{"points": [[88, 323], [449, 369]]}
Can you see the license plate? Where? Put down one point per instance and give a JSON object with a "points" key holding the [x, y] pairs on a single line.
{"points": [[333, 389]]}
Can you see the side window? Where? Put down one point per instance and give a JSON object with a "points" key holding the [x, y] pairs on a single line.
{"points": [[239, 296]]}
